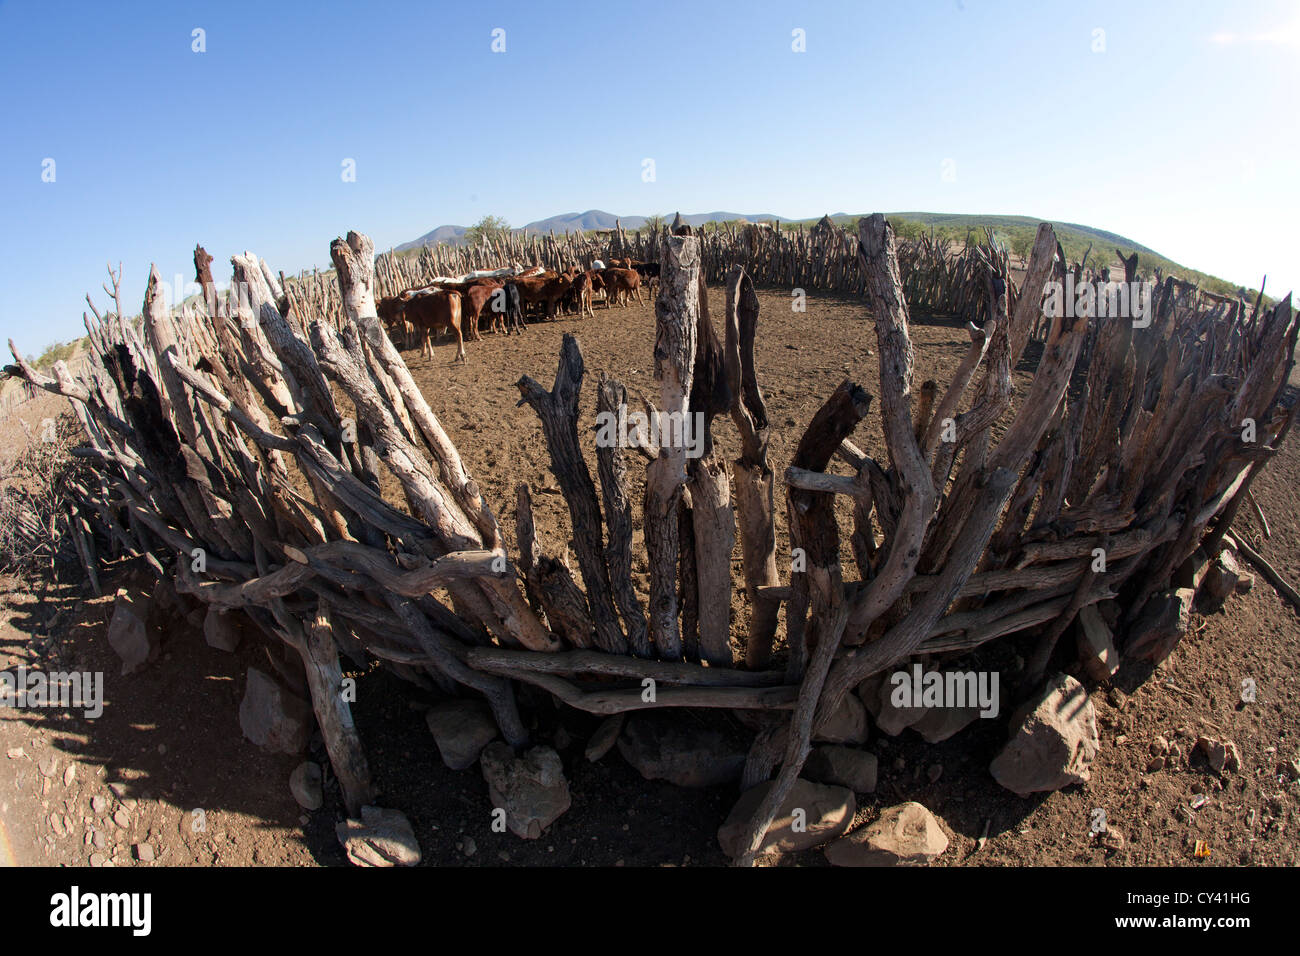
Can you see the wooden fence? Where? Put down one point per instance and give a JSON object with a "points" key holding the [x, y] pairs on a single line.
{"points": [[231, 437], [937, 278]]}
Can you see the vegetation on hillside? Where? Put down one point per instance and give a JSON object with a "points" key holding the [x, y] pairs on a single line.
{"points": [[491, 228], [56, 352], [1017, 234]]}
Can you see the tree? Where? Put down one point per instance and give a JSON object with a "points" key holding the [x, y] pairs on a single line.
{"points": [[655, 224], [491, 228], [1022, 243]]}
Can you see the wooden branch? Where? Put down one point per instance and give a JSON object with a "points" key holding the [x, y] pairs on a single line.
{"points": [[677, 317], [550, 585], [800, 734], [632, 698], [824, 483], [751, 474], [342, 742], [813, 527], [611, 399], [1271, 574], [715, 539], [903, 638], [879, 260], [593, 663], [558, 412]]}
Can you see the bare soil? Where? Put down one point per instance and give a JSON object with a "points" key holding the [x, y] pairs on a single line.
{"points": [[171, 734]]}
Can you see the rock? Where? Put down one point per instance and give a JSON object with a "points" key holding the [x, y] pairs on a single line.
{"points": [[562, 738], [671, 746], [531, 789], [934, 772], [48, 766], [1161, 626], [940, 723], [1192, 572], [461, 729], [15, 753], [122, 819], [98, 804], [166, 604], [380, 838], [905, 835], [305, 785], [129, 633], [827, 812], [468, 846], [1097, 651], [1220, 581], [848, 725], [1221, 755], [876, 693], [1112, 839], [56, 824], [144, 853], [221, 631], [69, 774], [1245, 582], [1159, 746], [606, 735], [272, 717], [1053, 743], [1156, 764], [843, 767], [98, 859]]}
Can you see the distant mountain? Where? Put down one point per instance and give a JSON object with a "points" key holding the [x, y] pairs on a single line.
{"points": [[452, 235], [588, 221]]}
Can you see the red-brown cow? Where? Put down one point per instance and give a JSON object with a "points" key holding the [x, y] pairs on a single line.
{"points": [[390, 309], [432, 311], [474, 295], [621, 284], [543, 290], [582, 288]]}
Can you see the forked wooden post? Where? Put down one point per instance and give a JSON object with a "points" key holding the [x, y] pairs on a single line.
{"points": [[751, 473], [677, 314]]}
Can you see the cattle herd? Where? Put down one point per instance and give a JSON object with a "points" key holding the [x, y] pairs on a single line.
{"points": [[504, 298]]}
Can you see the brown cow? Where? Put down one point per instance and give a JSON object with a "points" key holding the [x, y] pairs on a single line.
{"points": [[474, 295], [582, 286], [543, 290], [432, 311], [389, 310], [621, 284]]}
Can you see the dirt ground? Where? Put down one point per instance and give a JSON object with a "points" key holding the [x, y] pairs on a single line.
{"points": [[169, 738]]}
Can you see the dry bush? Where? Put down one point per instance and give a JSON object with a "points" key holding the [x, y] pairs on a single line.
{"points": [[34, 498]]}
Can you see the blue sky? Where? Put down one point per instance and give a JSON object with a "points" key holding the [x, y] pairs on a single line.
{"points": [[1180, 134]]}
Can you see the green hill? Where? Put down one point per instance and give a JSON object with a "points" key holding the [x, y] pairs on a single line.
{"points": [[1017, 233]]}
